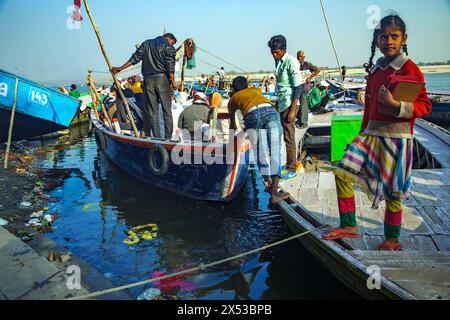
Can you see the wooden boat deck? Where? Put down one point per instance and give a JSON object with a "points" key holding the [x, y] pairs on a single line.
{"points": [[423, 267]]}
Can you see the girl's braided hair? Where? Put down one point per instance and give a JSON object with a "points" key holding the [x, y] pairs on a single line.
{"points": [[386, 21]]}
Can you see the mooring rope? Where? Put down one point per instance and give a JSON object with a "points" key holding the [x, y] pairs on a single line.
{"points": [[211, 54], [201, 267], [331, 37]]}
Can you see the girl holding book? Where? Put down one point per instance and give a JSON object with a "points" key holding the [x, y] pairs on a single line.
{"points": [[379, 159]]}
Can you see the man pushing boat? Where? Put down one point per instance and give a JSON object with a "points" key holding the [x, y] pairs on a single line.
{"points": [[158, 68]]}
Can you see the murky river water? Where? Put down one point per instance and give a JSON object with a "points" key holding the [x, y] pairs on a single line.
{"points": [[97, 204]]}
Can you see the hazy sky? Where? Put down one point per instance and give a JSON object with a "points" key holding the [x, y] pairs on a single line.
{"points": [[36, 42]]}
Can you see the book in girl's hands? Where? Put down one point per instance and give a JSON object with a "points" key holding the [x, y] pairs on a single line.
{"points": [[405, 88]]}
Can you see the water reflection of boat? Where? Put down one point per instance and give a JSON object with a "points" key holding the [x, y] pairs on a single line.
{"points": [[204, 171], [39, 110]]}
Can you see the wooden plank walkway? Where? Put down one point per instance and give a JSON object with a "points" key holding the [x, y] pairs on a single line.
{"points": [[423, 267]]}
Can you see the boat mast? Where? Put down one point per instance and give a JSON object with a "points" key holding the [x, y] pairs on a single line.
{"points": [[118, 87]]}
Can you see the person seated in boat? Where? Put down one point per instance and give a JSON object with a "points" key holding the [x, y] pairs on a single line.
{"points": [[105, 90], [272, 85], [110, 98], [63, 90], [184, 95], [127, 92], [259, 114], [74, 92], [319, 97], [192, 119]]}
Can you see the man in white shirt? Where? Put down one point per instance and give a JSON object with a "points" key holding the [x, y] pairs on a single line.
{"points": [[272, 85], [105, 90], [221, 74]]}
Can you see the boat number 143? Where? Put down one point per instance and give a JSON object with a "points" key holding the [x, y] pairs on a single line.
{"points": [[39, 97]]}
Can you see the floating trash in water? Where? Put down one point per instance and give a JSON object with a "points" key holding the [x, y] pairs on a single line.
{"points": [[87, 206], [150, 294], [34, 222], [25, 204], [1, 206], [3, 222], [144, 232], [37, 214]]}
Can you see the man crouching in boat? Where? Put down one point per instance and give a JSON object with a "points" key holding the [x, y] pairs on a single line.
{"points": [[195, 119], [158, 68], [259, 113]]}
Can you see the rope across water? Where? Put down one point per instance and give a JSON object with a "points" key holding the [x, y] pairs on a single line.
{"points": [[198, 268]]}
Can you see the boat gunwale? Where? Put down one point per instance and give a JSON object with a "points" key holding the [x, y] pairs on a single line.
{"points": [[337, 252], [34, 83]]}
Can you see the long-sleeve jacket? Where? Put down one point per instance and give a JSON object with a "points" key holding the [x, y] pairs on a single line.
{"points": [[157, 56], [401, 125]]}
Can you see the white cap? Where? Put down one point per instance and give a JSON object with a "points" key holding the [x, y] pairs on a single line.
{"points": [[201, 95], [323, 83]]}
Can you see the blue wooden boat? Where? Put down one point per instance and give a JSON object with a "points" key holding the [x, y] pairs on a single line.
{"points": [[39, 110], [440, 113], [157, 162]]}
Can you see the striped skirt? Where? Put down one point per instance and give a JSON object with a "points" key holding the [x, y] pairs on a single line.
{"points": [[380, 166]]}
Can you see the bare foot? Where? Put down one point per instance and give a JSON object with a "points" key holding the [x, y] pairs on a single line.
{"points": [[277, 197]]}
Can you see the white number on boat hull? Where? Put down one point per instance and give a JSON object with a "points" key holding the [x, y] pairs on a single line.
{"points": [[38, 97], [3, 89]]}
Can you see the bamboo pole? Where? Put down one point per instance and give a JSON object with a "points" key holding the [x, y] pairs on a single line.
{"points": [[119, 89], [92, 86], [11, 124], [183, 73], [94, 100]]}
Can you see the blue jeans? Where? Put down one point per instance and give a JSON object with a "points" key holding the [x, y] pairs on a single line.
{"points": [[264, 125]]}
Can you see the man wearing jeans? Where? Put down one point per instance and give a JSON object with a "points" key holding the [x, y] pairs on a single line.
{"points": [[289, 89], [259, 114], [158, 68]]}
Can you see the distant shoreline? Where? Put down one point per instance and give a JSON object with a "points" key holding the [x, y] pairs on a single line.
{"points": [[352, 72], [439, 69], [362, 72]]}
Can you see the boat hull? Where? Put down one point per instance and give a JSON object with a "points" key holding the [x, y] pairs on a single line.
{"points": [[440, 114], [39, 110], [212, 182]]}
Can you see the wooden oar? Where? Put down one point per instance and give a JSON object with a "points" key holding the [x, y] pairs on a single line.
{"points": [[94, 101], [119, 89], [11, 124], [99, 99]]}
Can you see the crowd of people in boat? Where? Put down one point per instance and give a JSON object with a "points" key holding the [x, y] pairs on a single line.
{"points": [[379, 159]]}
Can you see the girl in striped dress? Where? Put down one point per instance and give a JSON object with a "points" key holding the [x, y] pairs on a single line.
{"points": [[379, 159]]}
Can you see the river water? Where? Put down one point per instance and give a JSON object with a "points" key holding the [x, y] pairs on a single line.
{"points": [[97, 204]]}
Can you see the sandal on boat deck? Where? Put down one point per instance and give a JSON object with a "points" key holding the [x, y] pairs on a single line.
{"points": [[339, 234], [389, 246]]}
